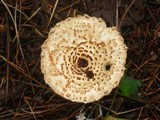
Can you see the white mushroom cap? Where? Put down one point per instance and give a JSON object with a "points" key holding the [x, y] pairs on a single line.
{"points": [[82, 59]]}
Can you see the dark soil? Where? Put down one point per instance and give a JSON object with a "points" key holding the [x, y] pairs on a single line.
{"points": [[24, 26]]}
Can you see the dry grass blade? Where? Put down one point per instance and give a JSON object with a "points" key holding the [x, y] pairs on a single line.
{"points": [[52, 13], [116, 18], [21, 70], [8, 67], [32, 112], [125, 13]]}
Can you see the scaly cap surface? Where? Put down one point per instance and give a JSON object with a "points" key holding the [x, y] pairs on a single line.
{"points": [[83, 60]]}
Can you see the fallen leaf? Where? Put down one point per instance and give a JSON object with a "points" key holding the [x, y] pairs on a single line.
{"points": [[129, 86]]}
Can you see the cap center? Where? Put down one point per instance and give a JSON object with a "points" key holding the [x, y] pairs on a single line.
{"points": [[82, 62]]}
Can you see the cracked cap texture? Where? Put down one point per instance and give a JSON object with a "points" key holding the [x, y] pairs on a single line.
{"points": [[83, 60]]}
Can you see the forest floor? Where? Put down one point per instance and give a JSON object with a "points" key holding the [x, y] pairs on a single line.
{"points": [[24, 26]]}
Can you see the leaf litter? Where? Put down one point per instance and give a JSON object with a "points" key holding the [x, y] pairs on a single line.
{"points": [[24, 25]]}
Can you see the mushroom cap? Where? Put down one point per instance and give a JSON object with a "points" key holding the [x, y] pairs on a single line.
{"points": [[83, 60]]}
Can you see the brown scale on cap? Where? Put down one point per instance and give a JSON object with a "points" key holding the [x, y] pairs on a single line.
{"points": [[83, 60]]}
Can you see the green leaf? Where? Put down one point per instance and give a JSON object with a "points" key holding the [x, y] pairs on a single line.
{"points": [[128, 86]]}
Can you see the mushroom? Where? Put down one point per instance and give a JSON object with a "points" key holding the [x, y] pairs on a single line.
{"points": [[83, 60]]}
